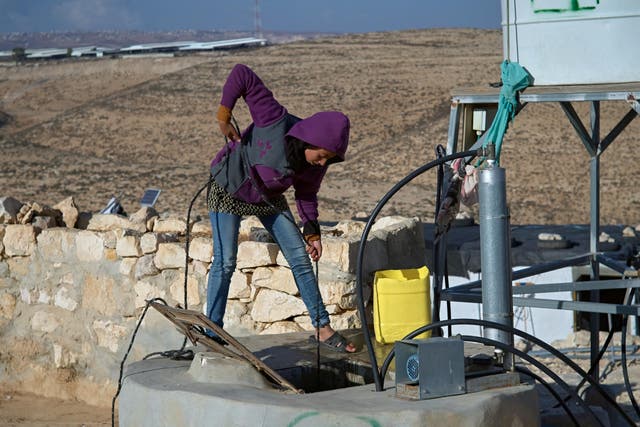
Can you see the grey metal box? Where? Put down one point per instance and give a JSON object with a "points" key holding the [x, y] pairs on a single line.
{"points": [[429, 368]]}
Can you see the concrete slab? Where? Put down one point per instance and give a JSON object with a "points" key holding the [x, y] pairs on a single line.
{"points": [[162, 392]]}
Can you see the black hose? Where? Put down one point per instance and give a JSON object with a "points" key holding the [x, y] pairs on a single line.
{"points": [[188, 238], [550, 389], [363, 242], [596, 362], [133, 337], [539, 365], [521, 334]]}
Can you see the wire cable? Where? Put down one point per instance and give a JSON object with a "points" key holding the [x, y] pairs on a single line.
{"points": [[363, 241], [550, 389], [522, 334], [133, 337], [539, 365]]}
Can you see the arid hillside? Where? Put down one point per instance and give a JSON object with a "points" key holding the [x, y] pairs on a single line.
{"points": [[96, 128]]}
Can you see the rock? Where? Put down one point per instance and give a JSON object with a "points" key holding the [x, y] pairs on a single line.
{"points": [[98, 295], [9, 209], [127, 266], [628, 232], [349, 228], [276, 278], [177, 291], [346, 320], [170, 225], [149, 243], [271, 306], [144, 291], [7, 305], [19, 240], [109, 334], [258, 234], [63, 357], [202, 227], [404, 239], [143, 216], [239, 287], [89, 246], [31, 210], [110, 238], [64, 301], [145, 267], [170, 255], [605, 238], [256, 254], [341, 252], [107, 222], [235, 316], [69, 211], [200, 268], [44, 321], [201, 249], [57, 244], [128, 244], [246, 225], [44, 222], [334, 288]]}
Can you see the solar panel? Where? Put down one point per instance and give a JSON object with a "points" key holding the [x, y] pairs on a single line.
{"points": [[150, 197]]}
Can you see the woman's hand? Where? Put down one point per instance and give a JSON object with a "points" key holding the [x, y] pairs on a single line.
{"points": [[229, 131], [314, 249]]}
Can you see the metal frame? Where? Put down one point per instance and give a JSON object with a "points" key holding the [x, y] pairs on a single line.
{"points": [[595, 146]]}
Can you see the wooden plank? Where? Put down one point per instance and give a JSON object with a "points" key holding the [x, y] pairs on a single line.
{"points": [[187, 319]]}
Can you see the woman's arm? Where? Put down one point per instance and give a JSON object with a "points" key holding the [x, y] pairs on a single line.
{"points": [[243, 82], [306, 186]]}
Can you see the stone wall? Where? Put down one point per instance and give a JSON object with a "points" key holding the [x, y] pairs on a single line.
{"points": [[73, 286]]}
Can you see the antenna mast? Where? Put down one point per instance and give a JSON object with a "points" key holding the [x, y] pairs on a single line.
{"points": [[258, 20]]}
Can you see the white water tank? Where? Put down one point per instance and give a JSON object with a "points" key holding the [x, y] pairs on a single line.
{"points": [[567, 42]]}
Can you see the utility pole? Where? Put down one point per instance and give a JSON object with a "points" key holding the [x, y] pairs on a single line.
{"points": [[258, 20]]}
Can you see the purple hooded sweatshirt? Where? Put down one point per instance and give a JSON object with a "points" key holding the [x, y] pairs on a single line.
{"points": [[327, 129]]}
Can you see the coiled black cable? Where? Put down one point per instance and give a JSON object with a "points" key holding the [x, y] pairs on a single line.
{"points": [[363, 241], [561, 401], [511, 349], [539, 365]]}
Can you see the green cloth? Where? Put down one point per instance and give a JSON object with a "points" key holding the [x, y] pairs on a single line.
{"points": [[514, 79]]}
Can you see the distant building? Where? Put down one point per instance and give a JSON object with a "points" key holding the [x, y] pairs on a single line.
{"points": [[167, 48], [225, 44]]}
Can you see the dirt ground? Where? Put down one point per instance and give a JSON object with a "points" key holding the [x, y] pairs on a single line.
{"points": [[29, 410], [96, 128]]}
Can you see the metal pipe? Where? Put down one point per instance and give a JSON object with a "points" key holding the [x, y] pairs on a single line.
{"points": [[497, 298]]}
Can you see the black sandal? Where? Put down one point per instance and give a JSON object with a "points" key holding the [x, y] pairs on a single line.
{"points": [[335, 342]]}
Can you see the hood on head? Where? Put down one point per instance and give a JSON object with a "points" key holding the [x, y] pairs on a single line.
{"points": [[326, 129]]}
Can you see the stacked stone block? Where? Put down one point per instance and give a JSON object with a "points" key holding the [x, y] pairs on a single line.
{"points": [[70, 297]]}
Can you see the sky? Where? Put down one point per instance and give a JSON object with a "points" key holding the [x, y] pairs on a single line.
{"points": [[331, 16]]}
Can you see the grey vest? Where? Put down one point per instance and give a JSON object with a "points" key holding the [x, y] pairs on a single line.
{"points": [[257, 169]]}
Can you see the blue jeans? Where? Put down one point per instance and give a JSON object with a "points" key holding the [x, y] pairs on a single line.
{"points": [[225, 229]]}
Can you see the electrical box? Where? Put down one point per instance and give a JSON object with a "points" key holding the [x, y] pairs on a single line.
{"points": [[426, 369], [476, 120]]}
